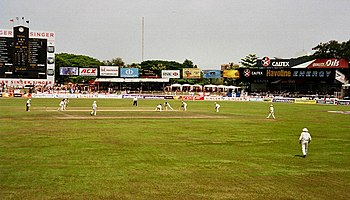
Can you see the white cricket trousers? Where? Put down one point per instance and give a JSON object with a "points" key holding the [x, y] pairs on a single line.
{"points": [[304, 146]]}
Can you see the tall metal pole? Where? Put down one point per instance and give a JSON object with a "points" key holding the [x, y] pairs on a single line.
{"points": [[143, 38]]}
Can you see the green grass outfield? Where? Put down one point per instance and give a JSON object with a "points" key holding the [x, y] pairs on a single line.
{"points": [[137, 153]]}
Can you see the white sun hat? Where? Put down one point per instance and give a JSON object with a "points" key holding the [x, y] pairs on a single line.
{"points": [[305, 130]]}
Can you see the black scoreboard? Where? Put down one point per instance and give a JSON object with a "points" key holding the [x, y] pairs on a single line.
{"points": [[22, 56]]}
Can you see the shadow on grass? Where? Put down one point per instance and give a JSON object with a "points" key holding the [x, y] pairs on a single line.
{"points": [[299, 156]]}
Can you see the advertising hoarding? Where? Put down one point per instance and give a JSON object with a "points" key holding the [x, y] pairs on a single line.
{"points": [[170, 73], [88, 71], [69, 71], [230, 73], [129, 72], [325, 63], [109, 71], [211, 73], [191, 73]]}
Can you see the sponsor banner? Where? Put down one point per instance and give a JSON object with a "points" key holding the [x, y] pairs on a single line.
{"points": [[329, 63], [69, 71], [260, 99], [252, 73], [325, 101], [313, 73], [110, 96], [129, 72], [148, 73], [32, 34], [340, 77], [211, 73], [283, 100], [213, 98], [267, 62], [191, 73], [17, 95], [23, 82], [109, 71], [344, 102], [131, 96], [170, 73], [278, 73], [189, 97], [88, 71], [235, 98], [230, 73], [304, 101]]}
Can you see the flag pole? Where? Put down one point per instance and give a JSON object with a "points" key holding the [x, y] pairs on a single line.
{"points": [[13, 22]]}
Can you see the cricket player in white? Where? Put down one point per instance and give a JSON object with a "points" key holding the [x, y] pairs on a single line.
{"points": [[66, 101], [184, 105], [61, 106], [94, 109], [304, 140], [217, 106], [28, 105], [134, 101], [159, 107], [167, 105], [272, 112]]}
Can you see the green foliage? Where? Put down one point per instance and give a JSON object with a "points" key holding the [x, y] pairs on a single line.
{"points": [[332, 49], [72, 60], [114, 62], [249, 61]]}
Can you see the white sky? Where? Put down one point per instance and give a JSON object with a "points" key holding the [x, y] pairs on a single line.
{"points": [[208, 32]]}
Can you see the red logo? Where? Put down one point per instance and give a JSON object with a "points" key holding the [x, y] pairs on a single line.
{"points": [[246, 72], [266, 61], [88, 71]]}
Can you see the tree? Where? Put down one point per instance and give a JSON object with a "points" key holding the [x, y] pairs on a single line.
{"points": [[187, 64], [72, 60], [249, 61], [114, 62], [332, 49]]}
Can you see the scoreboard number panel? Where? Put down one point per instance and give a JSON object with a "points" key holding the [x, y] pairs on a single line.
{"points": [[23, 56]]}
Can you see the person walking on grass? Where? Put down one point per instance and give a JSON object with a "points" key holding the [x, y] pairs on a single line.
{"points": [[271, 112], [304, 140], [94, 109]]}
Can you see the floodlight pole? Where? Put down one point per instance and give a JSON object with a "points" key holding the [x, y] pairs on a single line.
{"points": [[143, 38]]}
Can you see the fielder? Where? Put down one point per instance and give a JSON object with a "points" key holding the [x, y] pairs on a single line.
{"points": [[304, 140], [184, 106], [61, 106], [28, 105], [159, 108], [217, 106], [94, 109], [66, 101], [134, 101], [271, 113], [167, 105]]}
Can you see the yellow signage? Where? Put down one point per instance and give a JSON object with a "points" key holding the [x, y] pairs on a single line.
{"points": [[230, 73], [191, 73]]}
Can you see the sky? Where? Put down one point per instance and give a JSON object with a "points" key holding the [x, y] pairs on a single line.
{"points": [[207, 32]]}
